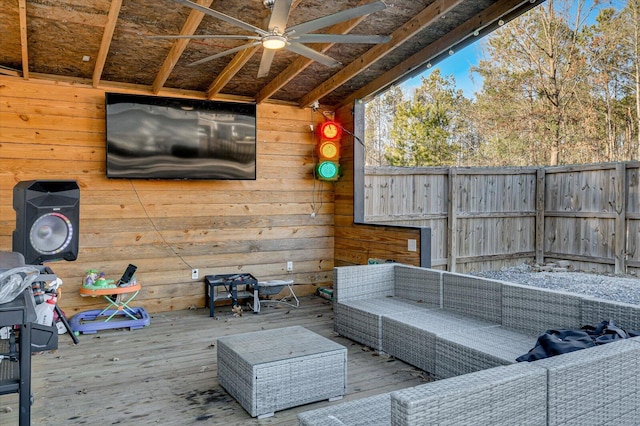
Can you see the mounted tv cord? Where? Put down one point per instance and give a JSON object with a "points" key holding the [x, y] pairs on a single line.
{"points": [[135, 191]]}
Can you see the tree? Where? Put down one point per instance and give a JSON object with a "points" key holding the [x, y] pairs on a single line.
{"points": [[422, 128], [629, 27], [379, 114], [555, 90], [535, 80], [615, 77]]}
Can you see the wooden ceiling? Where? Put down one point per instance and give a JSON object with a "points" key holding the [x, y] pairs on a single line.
{"points": [[105, 44]]}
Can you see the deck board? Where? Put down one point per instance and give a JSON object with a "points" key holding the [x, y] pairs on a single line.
{"points": [[166, 373]]}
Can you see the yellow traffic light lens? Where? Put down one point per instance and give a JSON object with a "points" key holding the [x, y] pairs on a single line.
{"points": [[329, 150]]}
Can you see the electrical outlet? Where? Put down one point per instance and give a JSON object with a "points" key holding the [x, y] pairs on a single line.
{"points": [[194, 274], [412, 245], [289, 266]]}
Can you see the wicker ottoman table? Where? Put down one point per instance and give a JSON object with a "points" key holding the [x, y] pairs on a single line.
{"points": [[271, 370]]}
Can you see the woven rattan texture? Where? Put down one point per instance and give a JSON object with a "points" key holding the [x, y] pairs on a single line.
{"points": [[473, 297], [411, 336], [597, 386], [419, 284], [361, 320], [363, 282], [476, 349], [371, 411], [534, 310], [482, 327], [511, 395], [624, 315], [271, 370]]}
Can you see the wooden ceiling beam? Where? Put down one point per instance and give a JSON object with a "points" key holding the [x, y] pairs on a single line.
{"points": [[9, 71], [138, 89], [22, 12], [230, 71], [189, 28], [234, 66], [105, 44], [301, 63], [458, 35], [416, 24]]}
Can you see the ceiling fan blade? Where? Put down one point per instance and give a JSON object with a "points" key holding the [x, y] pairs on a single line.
{"points": [[280, 15], [308, 52], [226, 52], [341, 38], [336, 18], [265, 62], [205, 36], [229, 19]]}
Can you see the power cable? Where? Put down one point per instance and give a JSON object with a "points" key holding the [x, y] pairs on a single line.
{"points": [[135, 191]]}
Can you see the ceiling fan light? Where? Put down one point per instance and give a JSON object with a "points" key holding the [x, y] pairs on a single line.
{"points": [[274, 42]]}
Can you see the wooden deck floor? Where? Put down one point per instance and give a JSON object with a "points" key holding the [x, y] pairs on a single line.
{"points": [[166, 373]]}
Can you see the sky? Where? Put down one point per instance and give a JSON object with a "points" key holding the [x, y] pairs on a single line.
{"points": [[459, 66], [460, 63]]}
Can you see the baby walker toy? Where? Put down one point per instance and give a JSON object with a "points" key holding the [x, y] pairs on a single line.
{"points": [[118, 295]]}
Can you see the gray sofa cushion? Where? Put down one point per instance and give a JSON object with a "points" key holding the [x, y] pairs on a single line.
{"points": [[472, 296], [534, 310], [361, 319], [419, 285], [472, 350], [411, 336], [625, 315]]}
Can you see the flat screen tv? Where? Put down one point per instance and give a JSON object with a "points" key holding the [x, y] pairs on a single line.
{"points": [[150, 137]]}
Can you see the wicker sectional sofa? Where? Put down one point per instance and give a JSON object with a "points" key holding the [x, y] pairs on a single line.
{"points": [[468, 331]]}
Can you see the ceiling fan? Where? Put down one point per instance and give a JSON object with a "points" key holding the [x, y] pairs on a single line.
{"points": [[278, 36]]}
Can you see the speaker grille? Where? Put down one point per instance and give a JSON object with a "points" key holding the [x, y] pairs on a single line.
{"points": [[51, 233], [47, 220]]}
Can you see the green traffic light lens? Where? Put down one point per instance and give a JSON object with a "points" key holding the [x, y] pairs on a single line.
{"points": [[328, 170]]}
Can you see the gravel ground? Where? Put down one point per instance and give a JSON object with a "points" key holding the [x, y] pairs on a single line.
{"points": [[612, 287]]}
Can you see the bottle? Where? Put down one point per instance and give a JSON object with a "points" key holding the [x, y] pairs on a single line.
{"points": [[45, 311]]}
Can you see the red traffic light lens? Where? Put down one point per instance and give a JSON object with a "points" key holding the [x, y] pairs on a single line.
{"points": [[330, 130]]}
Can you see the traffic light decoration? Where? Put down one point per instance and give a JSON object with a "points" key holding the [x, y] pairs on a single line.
{"points": [[328, 151]]}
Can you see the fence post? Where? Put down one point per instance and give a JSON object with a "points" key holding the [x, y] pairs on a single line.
{"points": [[621, 219], [540, 204], [452, 222]]}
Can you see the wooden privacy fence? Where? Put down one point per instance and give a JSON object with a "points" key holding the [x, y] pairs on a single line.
{"points": [[487, 218]]}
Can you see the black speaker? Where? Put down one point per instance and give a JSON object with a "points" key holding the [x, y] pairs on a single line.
{"points": [[47, 220]]}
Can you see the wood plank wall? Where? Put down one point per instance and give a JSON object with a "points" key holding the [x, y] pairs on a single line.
{"points": [[488, 218], [355, 244], [406, 197], [54, 130], [591, 216]]}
